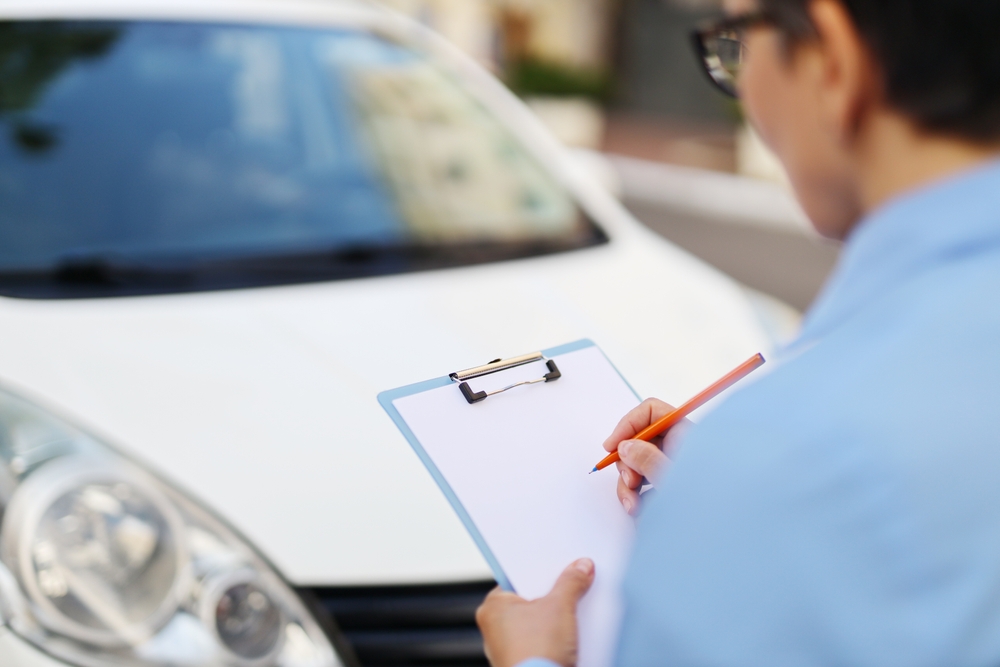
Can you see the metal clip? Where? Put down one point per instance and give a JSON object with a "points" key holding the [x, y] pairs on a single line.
{"points": [[501, 365]]}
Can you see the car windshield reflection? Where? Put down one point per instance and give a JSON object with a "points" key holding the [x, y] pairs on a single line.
{"points": [[152, 157]]}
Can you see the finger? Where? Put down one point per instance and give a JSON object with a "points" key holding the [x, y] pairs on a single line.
{"points": [[495, 599], [499, 593], [642, 457], [622, 467], [628, 497], [496, 590], [629, 477], [574, 581], [637, 419]]}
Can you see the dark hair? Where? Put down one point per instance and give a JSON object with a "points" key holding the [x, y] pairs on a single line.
{"points": [[940, 58]]}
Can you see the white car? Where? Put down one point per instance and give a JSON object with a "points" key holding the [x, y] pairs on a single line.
{"points": [[225, 226]]}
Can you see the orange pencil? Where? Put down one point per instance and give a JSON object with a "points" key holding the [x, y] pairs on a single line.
{"points": [[662, 424]]}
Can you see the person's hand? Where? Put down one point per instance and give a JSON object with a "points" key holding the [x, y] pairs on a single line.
{"points": [[515, 629], [639, 459]]}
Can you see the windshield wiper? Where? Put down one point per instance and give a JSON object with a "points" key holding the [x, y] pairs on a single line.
{"points": [[115, 272], [105, 275], [96, 276]]}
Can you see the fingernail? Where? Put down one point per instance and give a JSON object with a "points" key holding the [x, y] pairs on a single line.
{"points": [[625, 477], [585, 565], [624, 447], [627, 504]]}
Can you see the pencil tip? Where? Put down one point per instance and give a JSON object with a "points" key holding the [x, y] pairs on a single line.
{"points": [[592, 471]]}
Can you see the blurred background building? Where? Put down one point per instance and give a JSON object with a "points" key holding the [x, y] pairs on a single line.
{"points": [[619, 77]]}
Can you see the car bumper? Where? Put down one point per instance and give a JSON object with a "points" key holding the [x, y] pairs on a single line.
{"points": [[381, 625], [385, 626]]}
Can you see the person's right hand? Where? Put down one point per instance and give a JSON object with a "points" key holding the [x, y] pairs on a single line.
{"points": [[639, 458]]}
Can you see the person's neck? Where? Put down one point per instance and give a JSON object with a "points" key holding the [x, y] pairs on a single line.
{"points": [[896, 157]]}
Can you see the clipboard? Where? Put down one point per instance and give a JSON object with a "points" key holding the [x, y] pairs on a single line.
{"points": [[511, 444]]}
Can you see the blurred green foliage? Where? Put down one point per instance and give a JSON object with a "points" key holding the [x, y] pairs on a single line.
{"points": [[537, 77], [32, 55], [734, 110]]}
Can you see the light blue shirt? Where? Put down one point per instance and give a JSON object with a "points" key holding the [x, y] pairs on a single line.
{"points": [[845, 508]]}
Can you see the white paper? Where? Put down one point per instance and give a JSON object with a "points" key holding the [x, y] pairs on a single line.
{"points": [[519, 462]]}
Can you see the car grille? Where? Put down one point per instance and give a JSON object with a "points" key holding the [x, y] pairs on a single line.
{"points": [[400, 626]]}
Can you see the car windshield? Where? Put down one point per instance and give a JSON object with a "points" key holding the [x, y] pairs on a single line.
{"points": [[154, 157]]}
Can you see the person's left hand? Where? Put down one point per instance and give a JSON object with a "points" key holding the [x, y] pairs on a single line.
{"points": [[515, 629]]}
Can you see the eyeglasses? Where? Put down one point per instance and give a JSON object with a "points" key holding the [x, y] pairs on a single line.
{"points": [[722, 48]]}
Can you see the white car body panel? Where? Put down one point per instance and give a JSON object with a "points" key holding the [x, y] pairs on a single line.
{"points": [[16, 651], [261, 403]]}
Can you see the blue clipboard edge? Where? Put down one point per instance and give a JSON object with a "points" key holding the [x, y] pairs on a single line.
{"points": [[386, 399]]}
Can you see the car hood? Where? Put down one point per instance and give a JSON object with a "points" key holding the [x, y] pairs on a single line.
{"points": [[262, 405]]}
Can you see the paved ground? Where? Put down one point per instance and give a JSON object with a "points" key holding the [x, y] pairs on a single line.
{"points": [[784, 264], [753, 230]]}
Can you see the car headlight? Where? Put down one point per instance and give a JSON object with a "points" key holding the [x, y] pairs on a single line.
{"points": [[102, 563]]}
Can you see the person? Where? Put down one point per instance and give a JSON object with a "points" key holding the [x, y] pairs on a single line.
{"points": [[843, 509]]}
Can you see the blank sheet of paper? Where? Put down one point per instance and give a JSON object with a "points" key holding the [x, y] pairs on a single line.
{"points": [[518, 463]]}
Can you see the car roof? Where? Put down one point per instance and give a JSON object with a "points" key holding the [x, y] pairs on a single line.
{"points": [[296, 12]]}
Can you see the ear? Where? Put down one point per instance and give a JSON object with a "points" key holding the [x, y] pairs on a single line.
{"points": [[850, 81]]}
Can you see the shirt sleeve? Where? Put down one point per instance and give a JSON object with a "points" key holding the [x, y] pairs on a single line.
{"points": [[771, 542]]}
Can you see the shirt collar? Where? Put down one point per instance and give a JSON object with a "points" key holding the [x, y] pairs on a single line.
{"points": [[904, 237]]}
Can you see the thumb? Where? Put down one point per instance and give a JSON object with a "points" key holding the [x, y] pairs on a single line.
{"points": [[574, 582]]}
